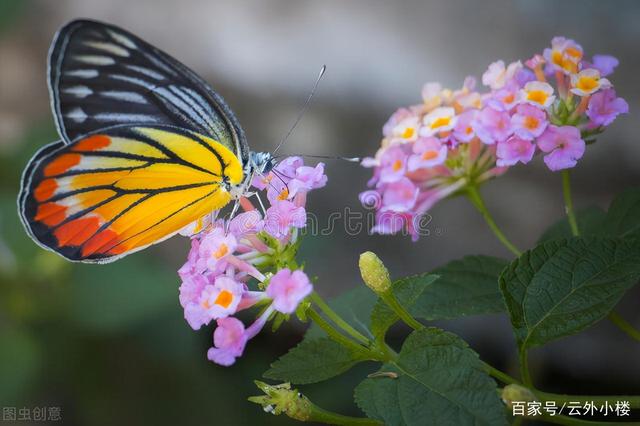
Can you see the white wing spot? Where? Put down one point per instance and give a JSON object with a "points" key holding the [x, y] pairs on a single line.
{"points": [[146, 71], [114, 116], [134, 80], [124, 96], [122, 39], [95, 59], [77, 115], [114, 49], [78, 91], [82, 73]]}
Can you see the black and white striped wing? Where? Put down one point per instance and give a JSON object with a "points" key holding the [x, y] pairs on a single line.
{"points": [[101, 76]]}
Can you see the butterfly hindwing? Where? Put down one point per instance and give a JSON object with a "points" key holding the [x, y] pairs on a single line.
{"points": [[101, 76], [121, 189]]}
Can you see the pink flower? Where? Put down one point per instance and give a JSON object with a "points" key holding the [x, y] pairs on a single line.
{"points": [[215, 247], [282, 216], [390, 222], [400, 196], [441, 119], [514, 149], [563, 145], [606, 64], [246, 223], [393, 164], [307, 178], [215, 301], [427, 152], [564, 55], [288, 289], [604, 107], [492, 126], [398, 116], [191, 288], [230, 338], [529, 122], [463, 132], [497, 75], [505, 98]]}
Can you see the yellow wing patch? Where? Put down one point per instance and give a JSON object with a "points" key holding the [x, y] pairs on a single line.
{"points": [[123, 189]]}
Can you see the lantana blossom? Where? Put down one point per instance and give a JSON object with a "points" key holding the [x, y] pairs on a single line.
{"points": [[249, 260], [549, 104]]}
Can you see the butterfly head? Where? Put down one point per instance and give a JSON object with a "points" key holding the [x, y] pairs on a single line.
{"points": [[260, 163]]}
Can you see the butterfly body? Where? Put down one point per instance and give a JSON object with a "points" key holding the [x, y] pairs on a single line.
{"points": [[146, 148]]}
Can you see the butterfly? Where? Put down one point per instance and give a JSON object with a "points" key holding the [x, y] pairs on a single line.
{"points": [[146, 148]]}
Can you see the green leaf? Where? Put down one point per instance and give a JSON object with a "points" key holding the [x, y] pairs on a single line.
{"points": [[439, 381], [312, 361], [590, 221], [354, 306], [564, 286], [407, 291], [468, 286], [623, 217]]}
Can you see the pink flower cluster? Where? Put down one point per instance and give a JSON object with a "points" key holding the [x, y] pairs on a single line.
{"points": [[457, 139], [226, 255]]}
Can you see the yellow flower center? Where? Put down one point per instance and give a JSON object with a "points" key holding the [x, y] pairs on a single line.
{"points": [[224, 299], [429, 155], [509, 98], [537, 96], [440, 122], [408, 132], [397, 165], [576, 54], [283, 195], [221, 252], [531, 123], [556, 57], [587, 84], [468, 130]]}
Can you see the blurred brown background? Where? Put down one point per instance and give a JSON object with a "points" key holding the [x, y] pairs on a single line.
{"points": [[108, 343]]}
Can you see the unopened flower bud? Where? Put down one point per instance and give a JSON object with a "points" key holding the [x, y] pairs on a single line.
{"points": [[374, 274], [512, 393], [281, 399]]}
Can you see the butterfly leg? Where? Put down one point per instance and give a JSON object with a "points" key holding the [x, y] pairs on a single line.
{"points": [[234, 210]]}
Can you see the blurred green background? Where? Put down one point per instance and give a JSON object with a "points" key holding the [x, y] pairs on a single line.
{"points": [[108, 344]]}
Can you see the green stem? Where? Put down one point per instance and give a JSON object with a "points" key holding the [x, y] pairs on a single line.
{"points": [[320, 415], [502, 376], [524, 368], [623, 325], [333, 316], [474, 196], [390, 299], [568, 202], [338, 337]]}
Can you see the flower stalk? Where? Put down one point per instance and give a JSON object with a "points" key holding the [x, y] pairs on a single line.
{"points": [[474, 196], [568, 202]]}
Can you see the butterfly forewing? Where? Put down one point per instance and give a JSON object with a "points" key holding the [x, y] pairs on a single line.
{"points": [[118, 190], [101, 76]]}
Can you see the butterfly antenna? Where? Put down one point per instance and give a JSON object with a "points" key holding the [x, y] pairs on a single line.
{"points": [[303, 110], [331, 157]]}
